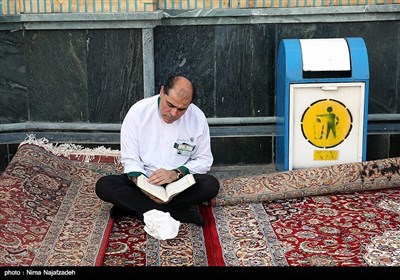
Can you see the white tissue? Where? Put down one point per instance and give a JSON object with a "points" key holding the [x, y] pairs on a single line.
{"points": [[160, 224]]}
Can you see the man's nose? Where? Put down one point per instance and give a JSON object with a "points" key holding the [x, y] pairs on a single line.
{"points": [[174, 112]]}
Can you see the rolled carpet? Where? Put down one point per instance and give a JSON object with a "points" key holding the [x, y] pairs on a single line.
{"points": [[340, 178]]}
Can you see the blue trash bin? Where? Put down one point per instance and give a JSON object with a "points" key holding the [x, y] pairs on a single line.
{"points": [[321, 102]]}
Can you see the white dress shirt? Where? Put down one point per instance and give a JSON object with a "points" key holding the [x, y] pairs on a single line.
{"points": [[148, 143]]}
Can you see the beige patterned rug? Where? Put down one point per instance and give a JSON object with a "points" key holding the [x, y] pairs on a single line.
{"points": [[341, 178]]}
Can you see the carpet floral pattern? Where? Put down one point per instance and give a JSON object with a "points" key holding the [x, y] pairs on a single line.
{"points": [[343, 215], [130, 245], [359, 229], [49, 213]]}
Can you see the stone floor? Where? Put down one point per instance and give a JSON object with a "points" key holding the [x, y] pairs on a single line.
{"points": [[229, 171]]}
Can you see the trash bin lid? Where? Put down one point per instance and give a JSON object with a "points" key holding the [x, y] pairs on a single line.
{"points": [[325, 54]]}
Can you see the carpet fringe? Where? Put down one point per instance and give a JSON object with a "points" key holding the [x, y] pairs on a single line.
{"points": [[69, 150]]}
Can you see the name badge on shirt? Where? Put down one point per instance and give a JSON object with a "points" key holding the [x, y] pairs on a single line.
{"points": [[184, 149]]}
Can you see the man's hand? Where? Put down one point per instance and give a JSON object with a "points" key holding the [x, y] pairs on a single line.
{"points": [[152, 197], [162, 176]]}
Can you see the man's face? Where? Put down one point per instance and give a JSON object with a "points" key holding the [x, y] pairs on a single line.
{"points": [[175, 104]]}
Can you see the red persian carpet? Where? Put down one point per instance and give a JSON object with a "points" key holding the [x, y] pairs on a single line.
{"points": [[358, 229], [49, 213], [344, 215]]}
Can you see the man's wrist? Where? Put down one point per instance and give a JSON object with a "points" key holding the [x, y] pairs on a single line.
{"points": [[133, 176], [179, 173]]}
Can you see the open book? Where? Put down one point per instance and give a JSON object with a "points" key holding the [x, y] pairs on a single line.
{"points": [[166, 193]]}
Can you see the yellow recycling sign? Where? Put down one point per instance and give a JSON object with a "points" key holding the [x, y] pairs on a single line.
{"points": [[326, 123]]}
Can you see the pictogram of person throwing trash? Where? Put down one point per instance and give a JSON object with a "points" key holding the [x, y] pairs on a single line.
{"points": [[331, 121]]}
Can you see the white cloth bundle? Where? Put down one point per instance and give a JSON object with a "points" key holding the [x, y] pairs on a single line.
{"points": [[160, 224]]}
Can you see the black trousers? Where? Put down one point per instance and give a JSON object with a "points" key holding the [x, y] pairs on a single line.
{"points": [[123, 193]]}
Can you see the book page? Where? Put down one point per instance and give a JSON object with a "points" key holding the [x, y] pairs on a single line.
{"points": [[180, 185], [165, 193], [157, 191]]}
